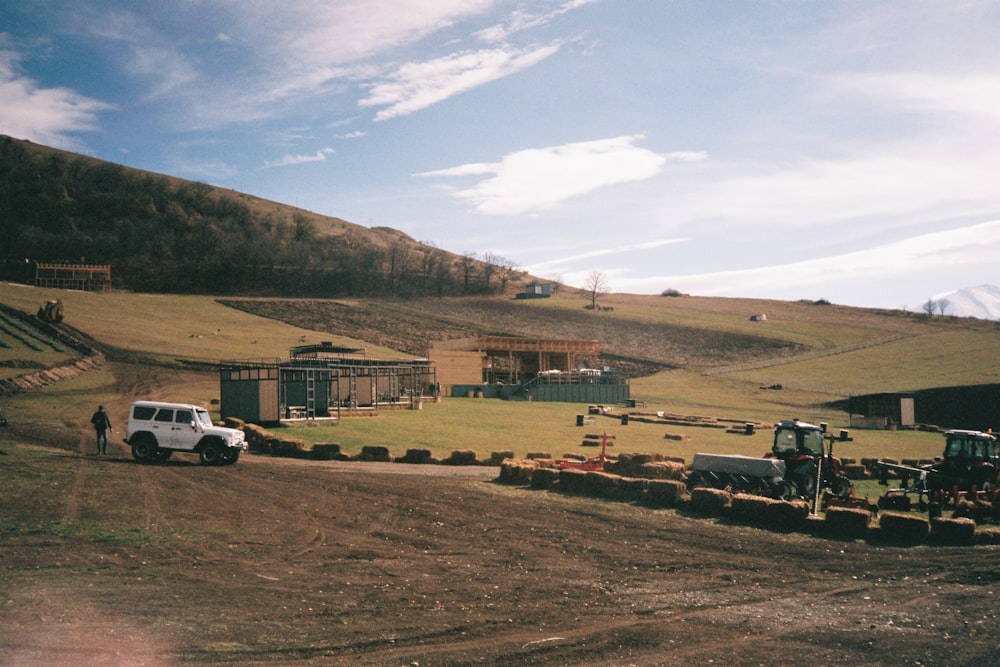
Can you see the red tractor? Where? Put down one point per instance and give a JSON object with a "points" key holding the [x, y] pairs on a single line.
{"points": [[810, 465]]}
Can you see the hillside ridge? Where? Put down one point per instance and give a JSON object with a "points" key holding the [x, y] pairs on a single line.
{"points": [[166, 234]]}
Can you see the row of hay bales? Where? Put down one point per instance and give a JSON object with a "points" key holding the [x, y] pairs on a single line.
{"points": [[669, 491], [265, 442]]}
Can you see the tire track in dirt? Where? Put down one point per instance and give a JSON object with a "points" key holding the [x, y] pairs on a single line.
{"points": [[311, 538]]}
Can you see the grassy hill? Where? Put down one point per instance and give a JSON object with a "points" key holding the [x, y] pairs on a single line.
{"points": [[688, 355]]}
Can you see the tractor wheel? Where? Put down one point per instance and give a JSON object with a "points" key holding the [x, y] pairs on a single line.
{"points": [[211, 454], [841, 487], [783, 491], [143, 448], [806, 485]]}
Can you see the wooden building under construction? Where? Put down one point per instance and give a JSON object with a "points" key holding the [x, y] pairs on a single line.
{"points": [[541, 369], [322, 382], [87, 277]]}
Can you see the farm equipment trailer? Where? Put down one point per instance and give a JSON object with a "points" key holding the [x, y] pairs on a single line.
{"points": [[800, 466], [968, 466]]}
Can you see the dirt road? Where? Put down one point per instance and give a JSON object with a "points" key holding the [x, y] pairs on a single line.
{"points": [[277, 561]]}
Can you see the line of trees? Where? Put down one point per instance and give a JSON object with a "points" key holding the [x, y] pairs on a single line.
{"points": [[166, 235]]}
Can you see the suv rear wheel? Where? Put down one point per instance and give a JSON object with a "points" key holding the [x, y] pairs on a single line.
{"points": [[143, 448]]}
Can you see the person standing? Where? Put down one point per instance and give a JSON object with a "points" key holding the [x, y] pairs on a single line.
{"points": [[102, 424]]}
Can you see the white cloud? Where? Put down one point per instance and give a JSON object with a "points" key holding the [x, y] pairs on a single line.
{"points": [[416, 86], [523, 20], [554, 264], [150, 57], [950, 94], [537, 179], [44, 115], [288, 160], [953, 250], [302, 48]]}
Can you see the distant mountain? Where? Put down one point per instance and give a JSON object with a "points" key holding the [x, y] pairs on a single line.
{"points": [[981, 302]]}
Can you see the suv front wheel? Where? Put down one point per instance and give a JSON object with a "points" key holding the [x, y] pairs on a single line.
{"points": [[211, 453]]}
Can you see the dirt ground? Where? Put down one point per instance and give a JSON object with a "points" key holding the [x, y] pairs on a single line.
{"points": [[280, 561]]}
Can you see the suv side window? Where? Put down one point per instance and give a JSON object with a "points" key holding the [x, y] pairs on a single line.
{"points": [[164, 415], [184, 417], [143, 412]]}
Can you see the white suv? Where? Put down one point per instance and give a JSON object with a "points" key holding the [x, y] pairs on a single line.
{"points": [[156, 430]]}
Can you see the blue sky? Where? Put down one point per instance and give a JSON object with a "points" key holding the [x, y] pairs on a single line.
{"points": [[846, 150]]}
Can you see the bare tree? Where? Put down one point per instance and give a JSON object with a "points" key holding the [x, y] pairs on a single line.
{"points": [[504, 268], [942, 305], [595, 286], [929, 307], [467, 265], [555, 282]]}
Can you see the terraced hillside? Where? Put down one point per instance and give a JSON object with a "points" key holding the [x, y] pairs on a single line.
{"points": [[641, 347]]}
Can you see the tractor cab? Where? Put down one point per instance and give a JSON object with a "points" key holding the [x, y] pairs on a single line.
{"points": [[794, 439], [809, 461], [969, 457]]}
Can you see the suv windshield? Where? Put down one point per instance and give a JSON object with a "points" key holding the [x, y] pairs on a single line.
{"points": [[203, 417]]}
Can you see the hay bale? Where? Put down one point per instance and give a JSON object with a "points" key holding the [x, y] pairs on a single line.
{"points": [[959, 532], [496, 458], [544, 478], [665, 492], [710, 502], [675, 459], [904, 529], [632, 489], [662, 470], [538, 455], [374, 453], [328, 452], [572, 456], [846, 522], [977, 510], [255, 437], [572, 481], [855, 471], [418, 456], [233, 422], [292, 448], [516, 471], [601, 484], [787, 514], [462, 457], [988, 536], [748, 507]]}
